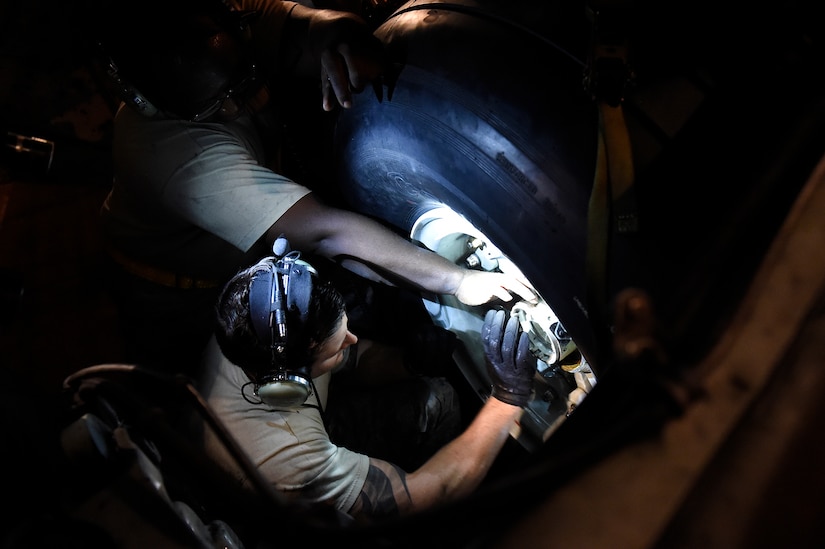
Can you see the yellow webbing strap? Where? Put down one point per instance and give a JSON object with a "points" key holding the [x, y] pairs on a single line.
{"points": [[611, 200]]}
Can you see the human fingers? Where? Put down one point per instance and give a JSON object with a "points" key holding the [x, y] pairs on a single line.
{"points": [[492, 333], [335, 85], [508, 342], [487, 326], [479, 287], [524, 358], [364, 63], [519, 286]]}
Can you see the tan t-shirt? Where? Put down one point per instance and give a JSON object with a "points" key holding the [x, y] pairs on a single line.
{"points": [[196, 197], [291, 448]]}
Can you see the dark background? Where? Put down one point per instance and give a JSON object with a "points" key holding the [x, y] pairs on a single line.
{"points": [[56, 316]]}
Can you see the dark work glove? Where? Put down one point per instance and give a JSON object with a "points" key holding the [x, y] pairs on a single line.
{"points": [[509, 362]]}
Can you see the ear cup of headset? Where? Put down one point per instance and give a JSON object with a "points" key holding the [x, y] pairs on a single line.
{"points": [[284, 390]]}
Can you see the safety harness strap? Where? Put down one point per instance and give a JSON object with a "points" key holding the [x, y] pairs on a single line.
{"points": [[612, 200]]}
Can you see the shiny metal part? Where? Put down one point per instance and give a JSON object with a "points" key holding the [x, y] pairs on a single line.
{"points": [[565, 377]]}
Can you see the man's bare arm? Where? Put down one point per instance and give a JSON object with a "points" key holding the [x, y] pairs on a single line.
{"points": [[452, 472], [356, 240]]}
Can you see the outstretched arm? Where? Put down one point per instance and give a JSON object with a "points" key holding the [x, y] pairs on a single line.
{"points": [[372, 250], [460, 466], [454, 471]]}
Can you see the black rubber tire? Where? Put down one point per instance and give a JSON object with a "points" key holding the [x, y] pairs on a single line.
{"points": [[509, 143]]}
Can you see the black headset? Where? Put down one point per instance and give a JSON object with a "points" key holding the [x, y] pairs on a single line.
{"points": [[285, 286]]}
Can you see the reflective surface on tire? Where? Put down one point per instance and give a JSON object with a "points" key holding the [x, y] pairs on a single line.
{"points": [[507, 141]]}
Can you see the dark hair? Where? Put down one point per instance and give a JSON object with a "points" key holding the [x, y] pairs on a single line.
{"points": [[236, 335]]}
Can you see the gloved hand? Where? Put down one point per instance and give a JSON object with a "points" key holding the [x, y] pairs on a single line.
{"points": [[509, 362]]}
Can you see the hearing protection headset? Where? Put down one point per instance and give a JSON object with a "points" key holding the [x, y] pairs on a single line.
{"points": [[279, 299]]}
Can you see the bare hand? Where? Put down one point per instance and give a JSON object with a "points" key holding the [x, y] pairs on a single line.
{"points": [[351, 56], [479, 287]]}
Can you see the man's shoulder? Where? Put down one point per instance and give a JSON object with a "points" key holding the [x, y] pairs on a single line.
{"points": [[179, 140]]}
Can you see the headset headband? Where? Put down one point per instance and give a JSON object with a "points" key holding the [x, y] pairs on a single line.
{"points": [[283, 286]]}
